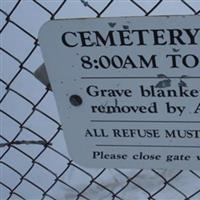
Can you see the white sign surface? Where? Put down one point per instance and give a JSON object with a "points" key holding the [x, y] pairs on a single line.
{"points": [[127, 89]]}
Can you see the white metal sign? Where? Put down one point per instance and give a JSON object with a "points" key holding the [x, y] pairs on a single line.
{"points": [[127, 89]]}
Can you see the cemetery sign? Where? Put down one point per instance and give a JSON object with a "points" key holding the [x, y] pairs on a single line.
{"points": [[127, 89]]}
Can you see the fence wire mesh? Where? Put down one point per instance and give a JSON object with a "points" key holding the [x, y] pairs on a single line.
{"points": [[34, 163]]}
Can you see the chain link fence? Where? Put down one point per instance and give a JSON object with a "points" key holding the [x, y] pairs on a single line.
{"points": [[34, 163]]}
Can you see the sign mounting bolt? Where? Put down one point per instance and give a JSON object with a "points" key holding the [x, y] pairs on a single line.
{"points": [[75, 100]]}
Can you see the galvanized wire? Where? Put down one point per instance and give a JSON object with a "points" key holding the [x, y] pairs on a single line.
{"points": [[8, 145]]}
